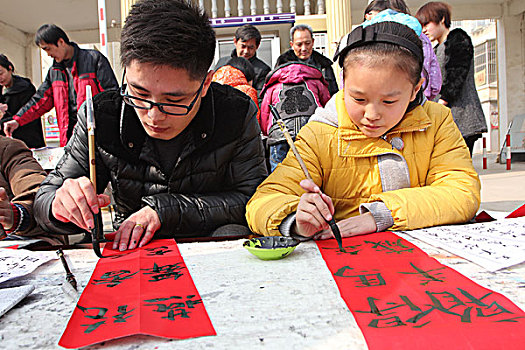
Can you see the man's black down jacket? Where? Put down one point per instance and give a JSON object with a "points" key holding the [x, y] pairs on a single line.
{"points": [[214, 177]]}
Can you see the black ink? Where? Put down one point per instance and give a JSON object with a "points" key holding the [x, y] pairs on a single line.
{"points": [[113, 278], [163, 272], [427, 277], [174, 309]]}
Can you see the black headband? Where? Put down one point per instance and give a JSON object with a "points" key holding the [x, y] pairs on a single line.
{"points": [[362, 36]]}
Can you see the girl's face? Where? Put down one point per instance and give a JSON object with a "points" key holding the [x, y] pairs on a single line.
{"points": [[435, 31], [377, 97]]}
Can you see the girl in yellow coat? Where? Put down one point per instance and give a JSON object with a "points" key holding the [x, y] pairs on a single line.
{"points": [[380, 157]]}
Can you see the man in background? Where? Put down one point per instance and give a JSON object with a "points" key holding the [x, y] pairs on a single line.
{"points": [[302, 50], [247, 40], [65, 85]]}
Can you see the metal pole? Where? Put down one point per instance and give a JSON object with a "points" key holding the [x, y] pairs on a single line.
{"points": [[484, 153], [508, 152], [102, 27]]}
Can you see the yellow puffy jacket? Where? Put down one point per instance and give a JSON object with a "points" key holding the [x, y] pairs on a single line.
{"points": [[442, 186]]}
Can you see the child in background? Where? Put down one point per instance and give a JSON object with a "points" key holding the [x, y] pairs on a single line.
{"points": [[296, 89], [378, 158], [239, 73], [431, 70]]}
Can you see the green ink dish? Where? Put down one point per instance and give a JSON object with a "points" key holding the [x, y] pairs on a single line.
{"points": [[271, 248]]}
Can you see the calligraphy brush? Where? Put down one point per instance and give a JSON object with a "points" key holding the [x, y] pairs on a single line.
{"points": [[90, 118], [69, 275], [288, 137]]}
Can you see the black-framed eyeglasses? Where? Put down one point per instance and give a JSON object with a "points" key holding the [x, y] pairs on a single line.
{"points": [[167, 108]]}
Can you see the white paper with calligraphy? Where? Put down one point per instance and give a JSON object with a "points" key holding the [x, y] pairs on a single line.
{"points": [[19, 262], [493, 245]]}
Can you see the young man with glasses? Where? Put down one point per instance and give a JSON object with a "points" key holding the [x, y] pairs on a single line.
{"points": [[183, 154]]}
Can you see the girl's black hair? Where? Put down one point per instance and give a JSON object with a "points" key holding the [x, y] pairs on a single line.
{"points": [[391, 40], [244, 66], [4, 62], [381, 5]]}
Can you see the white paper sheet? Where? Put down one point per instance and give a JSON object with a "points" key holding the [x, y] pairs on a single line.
{"points": [[492, 245], [20, 262], [9, 297]]}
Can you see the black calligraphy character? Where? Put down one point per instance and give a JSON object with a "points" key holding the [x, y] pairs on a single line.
{"points": [[122, 312], [174, 309], [350, 249], [488, 310], [157, 251], [114, 278], [365, 280], [388, 322], [370, 280], [164, 272], [427, 277], [397, 247], [448, 302], [99, 316]]}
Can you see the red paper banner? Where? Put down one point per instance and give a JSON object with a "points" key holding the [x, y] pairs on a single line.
{"points": [[143, 291], [483, 216], [518, 213], [403, 299]]}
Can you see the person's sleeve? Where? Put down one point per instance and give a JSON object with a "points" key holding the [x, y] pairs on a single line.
{"points": [[41, 103], [451, 192], [329, 75], [73, 164], [459, 52], [265, 110], [23, 97], [270, 212], [204, 212], [24, 175], [431, 64], [105, 75], [258, 84], [324, 94]]}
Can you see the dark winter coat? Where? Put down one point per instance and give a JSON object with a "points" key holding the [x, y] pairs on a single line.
{"points": [[261, 69], [90, 67], [324, 64], [218, 170], [15, 97], [456, 59]]}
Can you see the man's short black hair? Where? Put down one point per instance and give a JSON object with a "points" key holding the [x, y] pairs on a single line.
{"points": [[247, 32], [244, 66], [175, 33], [50, 34]]}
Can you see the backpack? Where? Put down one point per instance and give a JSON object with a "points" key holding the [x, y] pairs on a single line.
{"points": [[296, 105]]}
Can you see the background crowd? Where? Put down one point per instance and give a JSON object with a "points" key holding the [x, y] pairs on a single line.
{"points": [[184, 152]]}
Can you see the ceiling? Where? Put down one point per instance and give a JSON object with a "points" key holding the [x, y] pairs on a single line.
{"points": [[71, 15], [77, 15]]}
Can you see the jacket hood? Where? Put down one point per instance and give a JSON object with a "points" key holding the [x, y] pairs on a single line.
{"points": [[293, 73], [19, 84], [228, 75], [290, 56]]}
